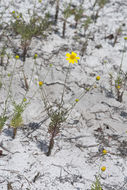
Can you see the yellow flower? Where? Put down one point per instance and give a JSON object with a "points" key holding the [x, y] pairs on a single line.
{"points": [[17, 56], [18, 17], [98, 77], [35, 56], [125, 38], [13, 12], [39, 1], [72, 57], [8, 74], [118, 86], [50, 65], [40, 83], [103, 168], [87, 89], [77, 100], [24, 100], [104, 151]]}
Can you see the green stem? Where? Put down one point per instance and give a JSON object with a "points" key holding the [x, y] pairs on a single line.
{"points": [[122, 59], [80, 97], [9, 89], [64, 85]]}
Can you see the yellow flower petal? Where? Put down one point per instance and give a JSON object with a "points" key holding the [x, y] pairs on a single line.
{"points": [[103, 168], [73, 53], [72, 57], [40, 83], [104, 151], [68, 54], [98, 77]]}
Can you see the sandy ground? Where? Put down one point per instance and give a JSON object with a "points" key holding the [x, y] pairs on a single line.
{"points": [[97, 122]]}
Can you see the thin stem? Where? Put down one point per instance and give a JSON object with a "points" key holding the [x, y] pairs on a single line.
{"points": [[64, 85], [122, 59], [80, 97], [57, 11], [45, 100], [9, 88], [43, 93], [26, 83], [51, 143]]}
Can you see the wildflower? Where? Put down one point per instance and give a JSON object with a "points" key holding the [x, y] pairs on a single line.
{"points": [[18, 17], [50, 65], [118, 87], [125, 38], [77, 100], [104, 151], [40, 83], [35, 56], [87, 89], [103, 168], [98, 77], [72, 57], [24, 100], [105, 61], [8, 74], [39, 1], [13, 12], [17, 57]]}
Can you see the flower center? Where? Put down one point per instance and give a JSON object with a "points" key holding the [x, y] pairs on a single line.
{"points": [[72, 56]]}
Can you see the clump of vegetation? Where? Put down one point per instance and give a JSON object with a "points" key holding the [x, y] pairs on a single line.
{"points": [[57, 11], [96, 185], [3, 119], [17, 120], [101, 4], [57, 118], [119, 81], [120, 84], [78, 14], [2, 54], [66, 14], [56, 111], [86, 24], [37, 26]]}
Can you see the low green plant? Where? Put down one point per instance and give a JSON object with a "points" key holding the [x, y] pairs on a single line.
{"points": [[96, 185], [66, 14], [3, 119], [120, 86], [17, 120], [57, 111], [0, 84], [78, 14], [57, 118], [57, 10], [37, 26], [3, 116], [86, 24], [2, 54], [118, 80], [100, 4]]}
